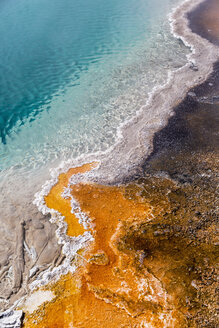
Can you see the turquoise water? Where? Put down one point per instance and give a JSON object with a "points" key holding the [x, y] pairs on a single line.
{"points": [[72, 71]]}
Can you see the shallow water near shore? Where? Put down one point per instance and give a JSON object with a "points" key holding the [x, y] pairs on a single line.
{"points": [[73, 71]]}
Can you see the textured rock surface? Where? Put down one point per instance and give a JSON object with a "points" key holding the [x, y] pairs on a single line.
{"points": [[31, 248]]}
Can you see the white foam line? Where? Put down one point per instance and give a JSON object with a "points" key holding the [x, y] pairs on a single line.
{"points": [[71, 245]]}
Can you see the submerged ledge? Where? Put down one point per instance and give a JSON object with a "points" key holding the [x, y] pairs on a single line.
{"points": [[135, 142]]}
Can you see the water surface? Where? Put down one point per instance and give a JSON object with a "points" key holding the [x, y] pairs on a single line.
{"points": [[72, 71]]}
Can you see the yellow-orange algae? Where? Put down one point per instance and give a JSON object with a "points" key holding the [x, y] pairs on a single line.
{"points": [[121, 282], [107, 207], [116, 294], [144, 267], [54, 199]]}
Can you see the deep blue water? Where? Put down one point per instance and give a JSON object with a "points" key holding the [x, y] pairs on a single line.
{"points": [[59, 64]]}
